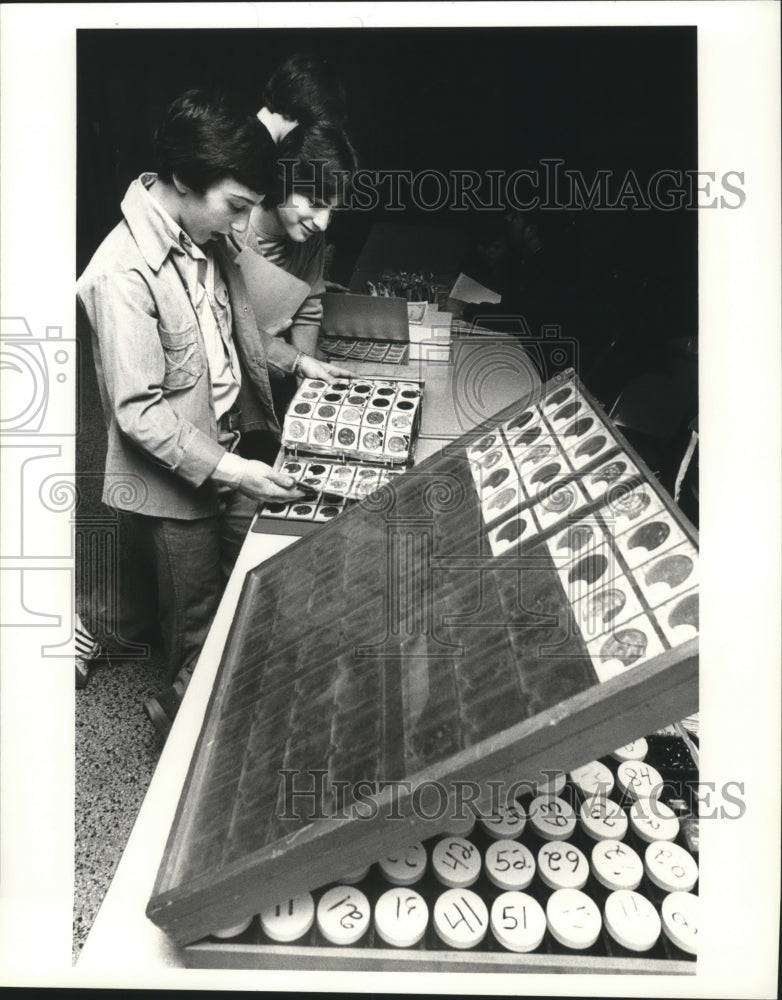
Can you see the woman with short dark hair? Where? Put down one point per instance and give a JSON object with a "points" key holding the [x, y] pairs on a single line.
{"points": [[315, 166]]}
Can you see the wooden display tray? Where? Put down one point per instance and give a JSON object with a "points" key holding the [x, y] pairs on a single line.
{"points": [[215, 955], [370, 629]]}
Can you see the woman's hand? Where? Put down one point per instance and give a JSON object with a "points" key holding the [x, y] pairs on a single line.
{"points": [[312, 368]]}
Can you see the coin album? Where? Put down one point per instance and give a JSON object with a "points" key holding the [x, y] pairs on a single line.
{"points": [[340, 443], [520, 604]]}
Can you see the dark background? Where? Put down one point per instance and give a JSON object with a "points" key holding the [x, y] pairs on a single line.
{"points": [[622, 284], [615, 99]]}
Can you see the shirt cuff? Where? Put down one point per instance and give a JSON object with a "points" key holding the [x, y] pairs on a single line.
{"points": [[230, 470]]}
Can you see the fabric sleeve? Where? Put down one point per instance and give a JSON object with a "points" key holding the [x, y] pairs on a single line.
{"points": [[230, 469], [309, 267], [280, 355], [122, 312]]}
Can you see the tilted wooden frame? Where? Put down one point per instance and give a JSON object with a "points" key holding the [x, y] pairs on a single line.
{"points": [[200, 887]]}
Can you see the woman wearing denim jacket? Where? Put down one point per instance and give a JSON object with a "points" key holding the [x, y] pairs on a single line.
{"points": [[183, 371]]}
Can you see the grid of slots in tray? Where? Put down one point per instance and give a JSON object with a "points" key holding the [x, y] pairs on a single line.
{"points": [[340, 664], [565, 858], [627, 566], [329, 487], [367, 418], [345, 349], [549, 461], [377, 648]]}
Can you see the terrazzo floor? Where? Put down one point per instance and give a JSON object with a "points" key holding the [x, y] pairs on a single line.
{"points": [[117, 751]]}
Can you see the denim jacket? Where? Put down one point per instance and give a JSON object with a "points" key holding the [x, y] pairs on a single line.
{"points": [[153, 373]]}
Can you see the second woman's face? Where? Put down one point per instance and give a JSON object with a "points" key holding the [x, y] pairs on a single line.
{"points": [[302, 218]]}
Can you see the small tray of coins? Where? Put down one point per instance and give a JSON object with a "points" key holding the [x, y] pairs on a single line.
{"points": [[341, 442]]}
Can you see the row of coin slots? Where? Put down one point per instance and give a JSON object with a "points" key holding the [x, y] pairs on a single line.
{"points": [[659, 557], [367, 417], [526, 461], [328, 488], [364, 350], [617, 629], [528, 878]]}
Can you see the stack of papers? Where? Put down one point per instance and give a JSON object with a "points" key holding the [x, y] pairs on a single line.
{"points": [[466, 289], [430, 340]]}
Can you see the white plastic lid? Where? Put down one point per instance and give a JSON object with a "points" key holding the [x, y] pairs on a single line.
{"points": [[518, 921], [593, 779], [505, 823], [406, 866], [637, 750], [602, 818], [343, 914], [573, 918], [401, 916], [652, 820], [562, 865], [509, 864], [460, 918], [680, 920], [639, 780], [551, 783], [632, 920], [552, 817], [616, 865], [456, 862], [290, 920], [229, 932], [670, 867]]}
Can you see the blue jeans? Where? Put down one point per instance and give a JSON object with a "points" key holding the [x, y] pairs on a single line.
{"points": [[169, 579]]}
